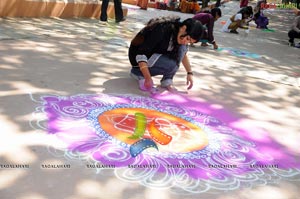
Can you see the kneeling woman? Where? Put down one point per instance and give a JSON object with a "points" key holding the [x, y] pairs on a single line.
{"points": [[237, 20], [208, 19], [160, 47]]}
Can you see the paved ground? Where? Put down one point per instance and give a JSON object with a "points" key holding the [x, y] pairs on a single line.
{"points": [[80, 56]]}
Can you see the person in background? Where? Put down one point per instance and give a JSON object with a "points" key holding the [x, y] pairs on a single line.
{"points": [[143, 4], [118, 11], [205, 3], [208, 19], [237, 21], [259, 18], [218, 4], [243, 3], [160, 47], [189, 6], [172, 5], [294, 32], [195, 6]]}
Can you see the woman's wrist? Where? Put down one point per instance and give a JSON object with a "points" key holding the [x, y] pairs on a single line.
{"points": [[190, 73]]}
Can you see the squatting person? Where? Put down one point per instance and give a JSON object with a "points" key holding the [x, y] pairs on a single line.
{"points": [[160, 47]]}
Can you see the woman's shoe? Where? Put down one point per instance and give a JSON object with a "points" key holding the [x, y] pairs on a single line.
{"points": [[292, 44], [120, 20], [234, 31]]}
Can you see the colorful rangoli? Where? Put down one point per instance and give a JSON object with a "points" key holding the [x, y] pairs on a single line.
{"points": [[239, 53], [165, 141]]}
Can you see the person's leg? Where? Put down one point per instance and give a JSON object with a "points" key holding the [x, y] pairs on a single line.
{"points": [[204, 37], [161, 65], [136, 73], [292, 35], [103, 16], [296, 3], [225, 27], [118, 11], [204, 3], [233, 27], [164, 65], [169, 67], [297, 35], [258, 22]]}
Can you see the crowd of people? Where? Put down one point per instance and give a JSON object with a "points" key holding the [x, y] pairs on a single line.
{"points": [[162, 45]]}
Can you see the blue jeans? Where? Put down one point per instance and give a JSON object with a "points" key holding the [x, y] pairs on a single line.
{"points": [[159, 64]]}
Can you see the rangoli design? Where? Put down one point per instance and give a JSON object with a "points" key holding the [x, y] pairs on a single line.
{"points": [[239, 53], [160, 142]]}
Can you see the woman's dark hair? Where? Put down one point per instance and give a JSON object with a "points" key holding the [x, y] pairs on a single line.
{"points": [[250, 10], [194, 28], [216, 11], [161, 20], [246, 10]]}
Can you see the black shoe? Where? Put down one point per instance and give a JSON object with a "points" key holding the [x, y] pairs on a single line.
{"points": [[292, 44], [120, 20], [234, 31]]}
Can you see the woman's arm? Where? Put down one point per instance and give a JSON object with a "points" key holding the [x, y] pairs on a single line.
{"points": [[188, 69], [210, 30], [146, 73], [150, 41]]}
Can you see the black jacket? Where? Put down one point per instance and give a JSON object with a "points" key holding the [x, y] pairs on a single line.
{"points": [[155, 40]]}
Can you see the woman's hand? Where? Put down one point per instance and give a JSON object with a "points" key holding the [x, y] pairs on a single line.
{"points": [[189, 81], [215, 46], [148, 83]]}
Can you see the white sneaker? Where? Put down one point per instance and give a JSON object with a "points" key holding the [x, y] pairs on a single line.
{"points": [[102, 22]]}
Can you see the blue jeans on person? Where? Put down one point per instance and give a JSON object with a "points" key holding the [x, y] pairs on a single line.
{"points": [[118, 10], [161, 65]]}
